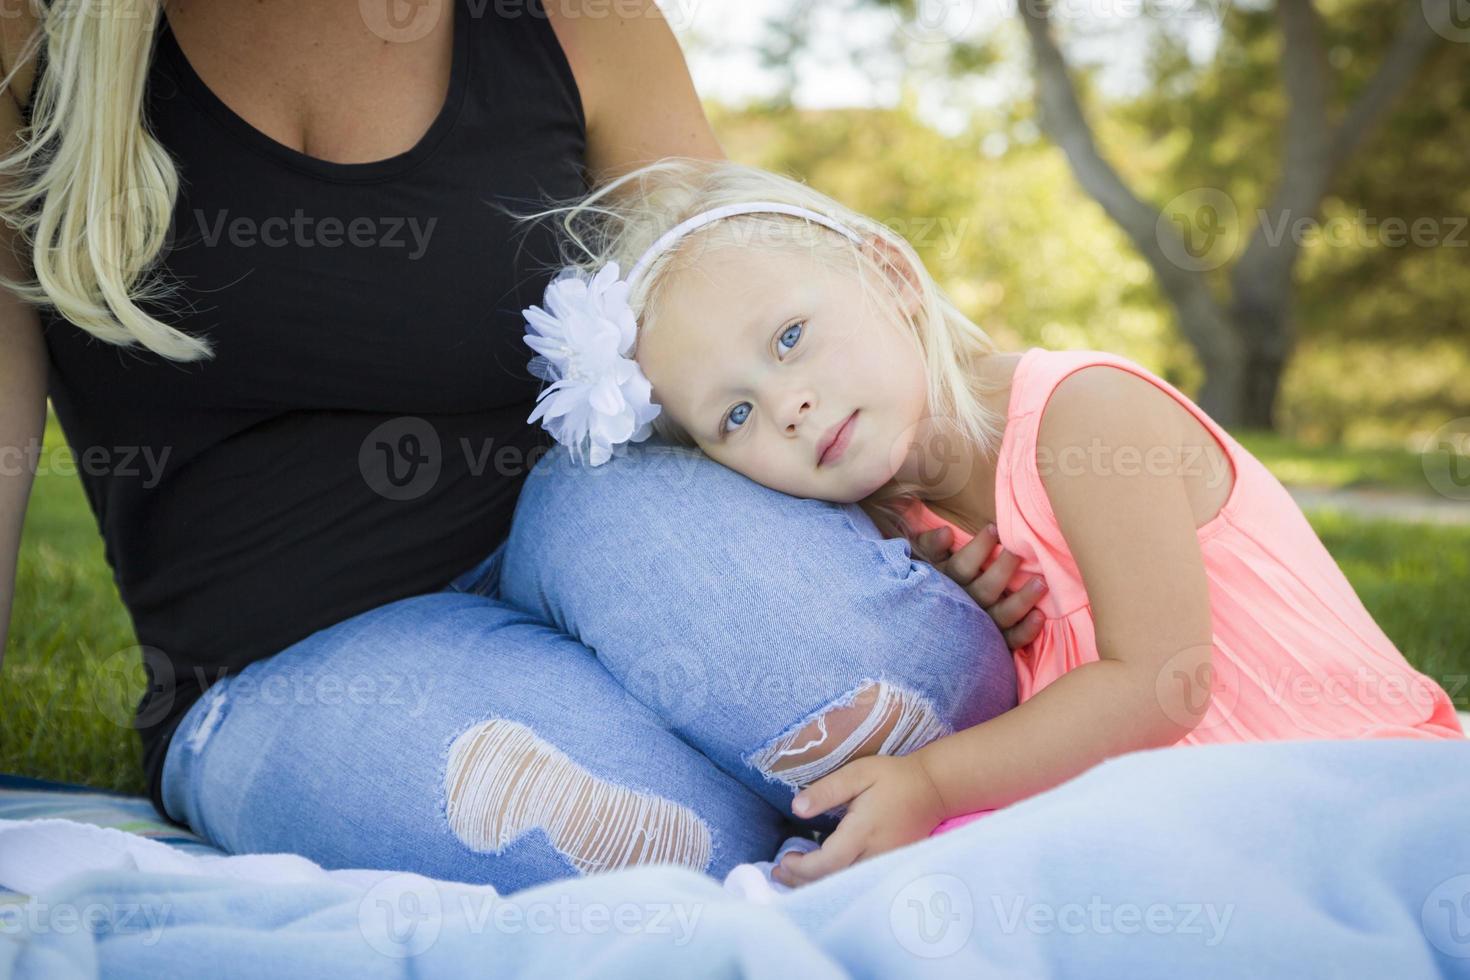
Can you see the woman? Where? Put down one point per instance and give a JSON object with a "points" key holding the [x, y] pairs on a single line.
{"points": [[271, 257]]}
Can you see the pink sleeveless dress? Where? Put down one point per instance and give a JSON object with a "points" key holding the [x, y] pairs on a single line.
{"points": [[1295, 654]]}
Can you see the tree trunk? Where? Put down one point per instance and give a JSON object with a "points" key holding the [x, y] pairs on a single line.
{"points": [[1267, 342], [1244, 351], [1260, 315], [1217, 345], [1259, 318], [1263, 383]]}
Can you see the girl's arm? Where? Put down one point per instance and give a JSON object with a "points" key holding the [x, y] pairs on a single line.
{"points": [[1131, 530], [1124, 511]]}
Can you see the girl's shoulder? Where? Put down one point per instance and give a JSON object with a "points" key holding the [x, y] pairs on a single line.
{"points": [[1106, 419], [1091, 386], [1041, 371]]}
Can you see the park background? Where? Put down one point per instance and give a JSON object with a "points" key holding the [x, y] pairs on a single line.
{"points": [[1264, 203]]}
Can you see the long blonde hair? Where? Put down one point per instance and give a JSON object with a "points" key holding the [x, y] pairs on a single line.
{"points": [[621, 219], [88, 189]]}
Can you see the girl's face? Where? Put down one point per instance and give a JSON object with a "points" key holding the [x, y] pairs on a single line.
{"points": [[762, 355]]}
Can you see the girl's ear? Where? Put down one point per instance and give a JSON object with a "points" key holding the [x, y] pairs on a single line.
{"points": [[899, 269]]}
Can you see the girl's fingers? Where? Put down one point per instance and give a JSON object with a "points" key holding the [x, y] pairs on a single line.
{"points": [[1025, 631], [1011, 607], [838, 851], [934, 544], [832, 790], [991, 585], [965, 564]]}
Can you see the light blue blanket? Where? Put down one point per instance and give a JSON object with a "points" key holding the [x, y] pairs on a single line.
{"points": [[1291, 859]]}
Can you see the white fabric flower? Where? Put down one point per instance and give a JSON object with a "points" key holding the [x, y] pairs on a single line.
{"points": [[599, 398]]}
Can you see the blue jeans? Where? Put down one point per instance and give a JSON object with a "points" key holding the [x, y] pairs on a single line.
{"points": [[647, 669]]}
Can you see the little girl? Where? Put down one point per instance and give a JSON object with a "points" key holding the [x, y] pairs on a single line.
{"points": [[1186, 598]]}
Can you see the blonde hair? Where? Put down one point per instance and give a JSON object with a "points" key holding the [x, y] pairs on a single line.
{"points": [[621, 219], [89, 190]]}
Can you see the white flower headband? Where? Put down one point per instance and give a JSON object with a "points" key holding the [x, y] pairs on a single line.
{"points": [[599, 397]]}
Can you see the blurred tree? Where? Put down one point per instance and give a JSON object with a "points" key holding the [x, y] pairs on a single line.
{"points": [[1380, 347], [1245, 343], [1236, 315]]}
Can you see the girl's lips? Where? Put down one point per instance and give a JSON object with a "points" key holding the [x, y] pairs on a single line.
{"points": [[839, 445]]}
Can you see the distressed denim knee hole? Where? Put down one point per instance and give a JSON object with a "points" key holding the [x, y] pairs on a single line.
{"points": [[503, 781], [878, 718]]}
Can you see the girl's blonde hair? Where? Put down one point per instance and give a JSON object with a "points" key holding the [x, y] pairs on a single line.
{"points": [[88, 189], [621, 219]]}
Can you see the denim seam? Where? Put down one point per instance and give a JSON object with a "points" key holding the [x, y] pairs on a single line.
{"points": [[912, 566], [473, 587], [902, 569]]}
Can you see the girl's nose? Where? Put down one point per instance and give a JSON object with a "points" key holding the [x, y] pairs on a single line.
{"points": [[794, 412]]}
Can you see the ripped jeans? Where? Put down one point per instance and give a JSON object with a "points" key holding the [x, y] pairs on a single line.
{"points": [[660, 654]]}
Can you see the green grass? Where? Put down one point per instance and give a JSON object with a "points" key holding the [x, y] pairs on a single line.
{"points": [[1335, 468], [1415, 580], [62, 696], [69, 680]]}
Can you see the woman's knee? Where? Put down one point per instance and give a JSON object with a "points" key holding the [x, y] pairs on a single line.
{"points": [[780, 635], [671, 546], [577, 526]]}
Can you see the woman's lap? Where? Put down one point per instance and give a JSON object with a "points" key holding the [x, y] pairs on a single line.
{"points": [[346, 747], [432, 734]]}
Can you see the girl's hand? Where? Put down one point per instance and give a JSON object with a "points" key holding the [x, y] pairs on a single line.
{"points": [[891, 802], [1014, 612]]}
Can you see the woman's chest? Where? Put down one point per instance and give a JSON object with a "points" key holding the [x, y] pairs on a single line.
{"points": [[399, 295], [308, 75], [345, 301]]}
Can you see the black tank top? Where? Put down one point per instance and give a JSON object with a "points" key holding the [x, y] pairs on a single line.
{"points": [[360, 434]]}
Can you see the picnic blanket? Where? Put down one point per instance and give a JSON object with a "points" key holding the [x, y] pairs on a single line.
{"points": [[1300, 859]]}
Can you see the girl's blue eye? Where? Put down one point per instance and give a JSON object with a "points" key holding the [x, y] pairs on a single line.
{"points": [[792, 332], [738, 415], [788, 331]]}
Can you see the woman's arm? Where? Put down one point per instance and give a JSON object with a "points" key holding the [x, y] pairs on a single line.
{"points": [[22, 395], [22, 424], [637, 95], [1131, 530]]}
